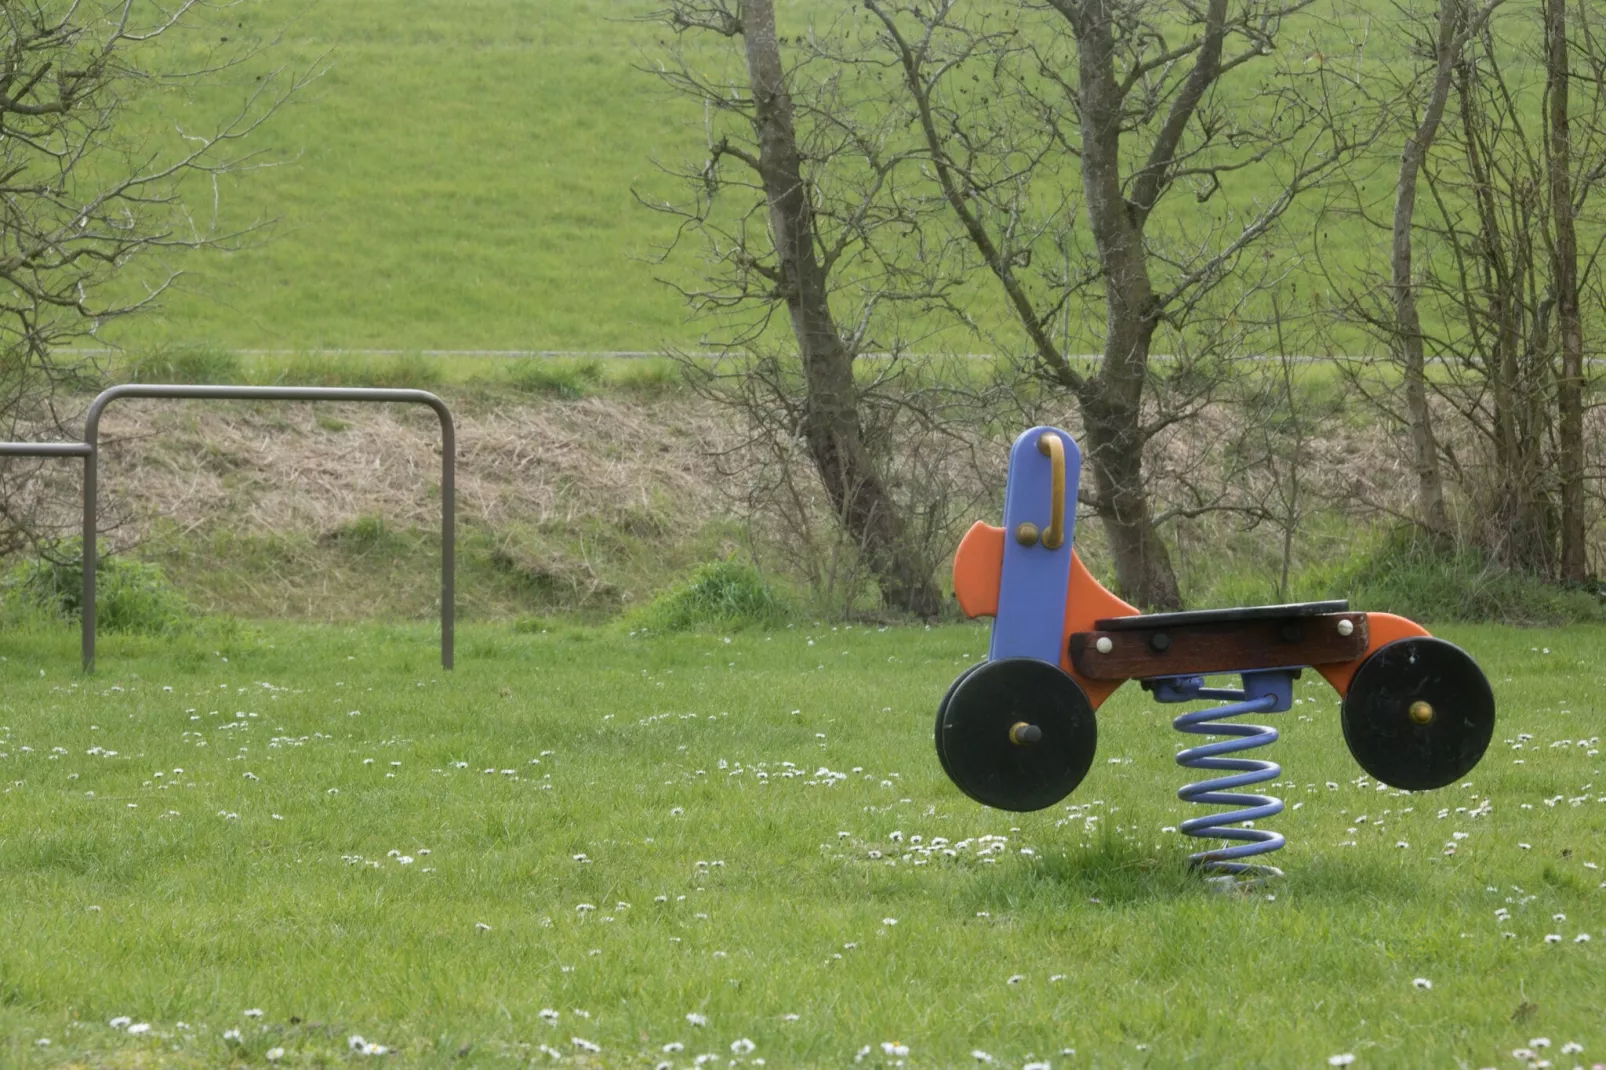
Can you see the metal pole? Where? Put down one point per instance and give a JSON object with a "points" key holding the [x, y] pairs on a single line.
{"points": [[43, 449], [448, 533], [87, 452], [90, 449], [88, 560]]}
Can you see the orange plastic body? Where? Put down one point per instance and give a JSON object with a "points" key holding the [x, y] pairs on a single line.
{"points": [[1381, 628], [979, 563]]}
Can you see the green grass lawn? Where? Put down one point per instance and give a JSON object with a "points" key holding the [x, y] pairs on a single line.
{"points": [[466, 176], [459, 177], [268, 840]]}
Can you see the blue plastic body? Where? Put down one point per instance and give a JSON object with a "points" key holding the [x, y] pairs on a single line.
{"points": [[1263, 691], [1033, 580]]}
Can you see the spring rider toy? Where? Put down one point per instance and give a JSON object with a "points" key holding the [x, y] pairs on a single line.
{"points": [[1018, 730]]}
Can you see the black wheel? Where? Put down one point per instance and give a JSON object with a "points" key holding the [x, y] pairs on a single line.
{"points": [[1016, 734], [942, 708], [1418, 714]]}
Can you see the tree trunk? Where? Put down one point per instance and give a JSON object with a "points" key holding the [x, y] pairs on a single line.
{"points": [[1517, 517], [1112, 402], [831, 426], [1453, 19], [1570, 400]]}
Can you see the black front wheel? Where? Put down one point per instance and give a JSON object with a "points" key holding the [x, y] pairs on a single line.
{"points": [[1016, 734]]}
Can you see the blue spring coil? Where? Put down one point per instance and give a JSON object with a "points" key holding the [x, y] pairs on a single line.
{"points": [[1263, 692]]}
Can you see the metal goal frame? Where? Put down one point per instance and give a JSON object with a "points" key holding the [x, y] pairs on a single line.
{"points": [[89, 450]]}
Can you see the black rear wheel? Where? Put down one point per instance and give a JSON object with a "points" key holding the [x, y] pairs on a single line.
{"points": [[1419, 713]]}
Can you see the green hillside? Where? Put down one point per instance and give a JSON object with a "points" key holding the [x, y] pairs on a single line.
{"points": [[461, 176]]}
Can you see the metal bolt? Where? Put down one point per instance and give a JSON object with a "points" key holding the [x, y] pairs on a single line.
{"points": [[1346, 627], [1104, 645], [1024, 735], [1026, 534], [1421, 712]]}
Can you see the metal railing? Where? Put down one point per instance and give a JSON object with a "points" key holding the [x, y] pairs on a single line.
{"points": [[89, 450]]}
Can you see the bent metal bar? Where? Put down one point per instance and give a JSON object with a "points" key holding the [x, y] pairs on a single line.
{"points": [[89, 451]]}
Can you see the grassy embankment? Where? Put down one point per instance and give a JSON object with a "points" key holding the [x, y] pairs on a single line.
{"points": [[495, 210], [466, 178]]}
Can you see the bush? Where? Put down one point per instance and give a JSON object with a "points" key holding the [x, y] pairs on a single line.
{"points": [[723, 594], [1406, 575], [130, 596]]}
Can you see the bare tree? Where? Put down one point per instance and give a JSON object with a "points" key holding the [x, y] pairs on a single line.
{"points": [[1496, 300], [87, 190], [1564, 273], [1135, 100], [1457, 23], [802, 208]]}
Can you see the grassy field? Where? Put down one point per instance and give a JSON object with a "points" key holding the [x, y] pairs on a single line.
{"points": [[467, 177], [457, 178], [252, 845]]}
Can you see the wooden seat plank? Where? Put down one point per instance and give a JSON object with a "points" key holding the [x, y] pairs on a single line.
{"points": [[1217, 646]]}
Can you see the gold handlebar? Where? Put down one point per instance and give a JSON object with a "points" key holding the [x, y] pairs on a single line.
{"points": [[1050, 445]]}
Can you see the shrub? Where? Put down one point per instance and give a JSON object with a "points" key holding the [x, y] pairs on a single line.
{"points": [[722, 594], [130, 596], [1407, 575]]}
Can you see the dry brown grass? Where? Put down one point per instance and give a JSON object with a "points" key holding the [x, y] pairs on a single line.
{"points": [[592, 504], [304, 468]]}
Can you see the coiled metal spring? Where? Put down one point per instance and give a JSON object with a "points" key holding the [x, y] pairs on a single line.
{"points": [[1263, 692]]}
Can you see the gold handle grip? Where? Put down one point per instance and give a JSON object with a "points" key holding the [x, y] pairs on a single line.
{"points": [[1050, 445]]}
